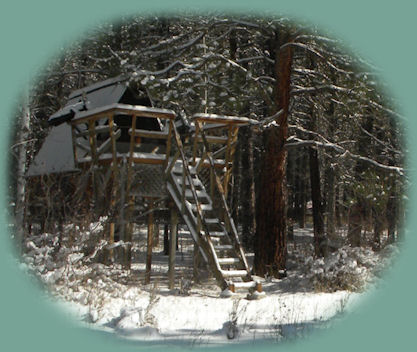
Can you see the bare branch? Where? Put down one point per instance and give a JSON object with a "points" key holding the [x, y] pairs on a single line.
{"points": [[344, 153]]}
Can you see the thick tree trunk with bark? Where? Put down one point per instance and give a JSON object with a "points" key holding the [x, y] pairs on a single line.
{"points": [[271, 224], [248, 190], [320, 244], [355, 225], [330, 183], [291, 181], [300, 197], [330, 180]]}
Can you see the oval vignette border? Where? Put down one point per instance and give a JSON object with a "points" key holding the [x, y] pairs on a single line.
{"points": [[33, 32]]}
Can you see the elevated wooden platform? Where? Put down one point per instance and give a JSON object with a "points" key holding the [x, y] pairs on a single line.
{"points": [[195, 178]]}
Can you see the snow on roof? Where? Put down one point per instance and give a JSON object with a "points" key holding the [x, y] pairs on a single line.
{"points": [[91, 97]]}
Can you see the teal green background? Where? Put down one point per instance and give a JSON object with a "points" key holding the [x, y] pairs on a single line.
{"points": [[381, 32]]}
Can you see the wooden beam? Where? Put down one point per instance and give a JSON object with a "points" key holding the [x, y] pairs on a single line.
{"points": [[125, 109], [213, 139], [131, 198], [231, 147], [81, 146], [107, 143], [150, 134], [121, 220], [92, 140], [115, 185], [98, 129], [213, 118], [196, 263], [149, 245], [172, 248], [147, 158], [111, 241], [168, 147]]}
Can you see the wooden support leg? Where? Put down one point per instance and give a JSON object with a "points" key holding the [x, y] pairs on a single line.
{"points": [[196, 263], [128, 248], [172, 248], [122, 218], [111, 241], [149, 247]]}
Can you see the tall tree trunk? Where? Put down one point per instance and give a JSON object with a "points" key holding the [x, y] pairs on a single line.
{"points": [[21, 171], [248, 190], [320, 245], [339, 210], [358, 210], [291, 181], [271, 224], [236, 188], [300, 198], [355, 225], [330, 180], [377, 228]]}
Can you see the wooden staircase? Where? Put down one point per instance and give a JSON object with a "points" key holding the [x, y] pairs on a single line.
{"points": [[211, 225]]}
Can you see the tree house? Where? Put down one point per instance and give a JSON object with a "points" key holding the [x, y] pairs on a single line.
{"points": [[133, 154]]}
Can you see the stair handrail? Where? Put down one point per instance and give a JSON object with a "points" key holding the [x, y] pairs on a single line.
{"points": [[186, 169], [223, 202]]}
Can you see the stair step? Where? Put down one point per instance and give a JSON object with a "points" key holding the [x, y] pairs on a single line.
{"points": [[212, 221], [203, 207], [223, 247], [200, 194], [248, 284], [217, 233], [234, 273], [195, 181], [178, 169], [228, 260]]}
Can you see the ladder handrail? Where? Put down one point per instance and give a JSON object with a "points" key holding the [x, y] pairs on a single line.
{"points": [[223, 202], [200, 218]]}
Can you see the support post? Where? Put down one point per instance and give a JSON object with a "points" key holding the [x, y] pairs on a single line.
{"points": [[111, 241], [115, 177], [196, 263], [130, 197], [149, 245], [172, 248]]}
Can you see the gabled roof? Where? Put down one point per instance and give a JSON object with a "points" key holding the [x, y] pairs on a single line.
{"points": [[110, 91]]}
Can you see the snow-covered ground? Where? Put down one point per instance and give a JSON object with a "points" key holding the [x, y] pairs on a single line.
{"points": [[114, 300]]}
